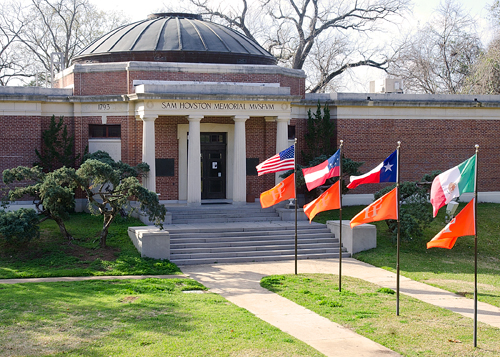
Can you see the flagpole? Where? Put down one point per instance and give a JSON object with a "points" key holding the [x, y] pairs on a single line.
{"points": [[340, 215], [296, 203], [475, 251], [399, 234]]}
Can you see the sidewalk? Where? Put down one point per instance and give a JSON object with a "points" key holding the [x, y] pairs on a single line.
{"points": [[240, 284]]}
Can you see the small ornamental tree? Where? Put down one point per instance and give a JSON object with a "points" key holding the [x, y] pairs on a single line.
{"points": [[320, 138], [52, 192], [58, 147], [110, 185]]}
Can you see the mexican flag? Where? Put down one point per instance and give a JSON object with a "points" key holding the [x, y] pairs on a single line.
{"points": [[453, 183]]}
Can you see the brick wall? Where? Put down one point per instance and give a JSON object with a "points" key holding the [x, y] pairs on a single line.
{"points": [[167, 147], [19, 137], [426, 145], [100, 83]]}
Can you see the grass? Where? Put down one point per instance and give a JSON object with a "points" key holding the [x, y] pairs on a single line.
{"points": [[151, 317], [420, 330], [52, 256], [452, 270]]}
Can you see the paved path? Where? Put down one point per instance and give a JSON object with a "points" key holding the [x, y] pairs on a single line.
{"points": [[80, 278], [240, 284]]}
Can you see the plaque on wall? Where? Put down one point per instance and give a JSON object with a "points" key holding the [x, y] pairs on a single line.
{"points": [[165, 167]]}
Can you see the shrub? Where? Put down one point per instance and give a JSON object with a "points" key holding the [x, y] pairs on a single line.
{"points": [[415, 213], [19, 226]]}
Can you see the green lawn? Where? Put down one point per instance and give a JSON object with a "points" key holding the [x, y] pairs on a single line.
{"points": [[420, 330], [51, 255], [452, 270], [151, 317]]}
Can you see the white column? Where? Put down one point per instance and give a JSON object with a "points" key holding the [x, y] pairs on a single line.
{"points": [[148, 151], [194, 167], [281, 140], [240, 161]]}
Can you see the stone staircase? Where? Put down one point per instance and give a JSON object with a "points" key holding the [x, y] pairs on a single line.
{"points": [[230, 233], [222, 213]]}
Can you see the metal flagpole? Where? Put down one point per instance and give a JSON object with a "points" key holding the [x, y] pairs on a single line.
{"points": [[475, 251], [399, 234], [340, 216], [296, 203]]}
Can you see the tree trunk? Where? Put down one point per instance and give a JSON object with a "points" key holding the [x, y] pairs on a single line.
{"points": [[62, 229], [108, 219]]}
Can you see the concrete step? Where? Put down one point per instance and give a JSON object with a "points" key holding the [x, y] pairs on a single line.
{"points": [[253, 250], [229, 236], [239, 242], [226, 219], [258, 258], [222, 213], [196, 217], [242, 229]]}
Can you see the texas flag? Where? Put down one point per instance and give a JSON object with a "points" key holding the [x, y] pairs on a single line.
{"points": [[387, 171], [317, 175]]}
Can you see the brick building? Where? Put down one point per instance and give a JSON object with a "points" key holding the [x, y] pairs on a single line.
{"points": [[202, 105]]}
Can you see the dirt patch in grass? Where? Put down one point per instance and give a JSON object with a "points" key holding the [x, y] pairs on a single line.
{"points": [[89, 254], [129, 299]]}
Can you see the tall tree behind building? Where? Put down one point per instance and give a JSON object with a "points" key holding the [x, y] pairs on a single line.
{"points": [[47, 26], [324, 38], [438, 57], [485, 76]]}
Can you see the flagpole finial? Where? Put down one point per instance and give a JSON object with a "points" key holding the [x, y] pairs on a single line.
{"points": [[295, 142], [477, 147], [399, 144], [341, 142]]}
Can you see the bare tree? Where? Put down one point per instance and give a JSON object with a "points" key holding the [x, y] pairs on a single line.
{"points": [[10, 52], [485, 77], [439, 56], [64, 26], [308, 34]]}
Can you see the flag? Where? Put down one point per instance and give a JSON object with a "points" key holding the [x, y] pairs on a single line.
{"points": [[282, 161], [282, 191], [386, 207], [317, 175], [461, 225], [328, 200], [453, 183], [387, 171]]}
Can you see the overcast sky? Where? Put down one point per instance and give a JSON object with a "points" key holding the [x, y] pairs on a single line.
{"points": [[422, 12]]}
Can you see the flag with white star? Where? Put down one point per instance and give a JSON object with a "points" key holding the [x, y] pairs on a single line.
{"points": [[387, 171]]}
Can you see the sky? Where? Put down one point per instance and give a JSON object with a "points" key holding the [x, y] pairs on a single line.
{"points": [[359, 81]]}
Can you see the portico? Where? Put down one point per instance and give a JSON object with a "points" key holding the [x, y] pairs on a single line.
{"points": [[203, 118]]}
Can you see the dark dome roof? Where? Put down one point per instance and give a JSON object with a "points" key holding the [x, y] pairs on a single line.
{"points": [[175, 37]]}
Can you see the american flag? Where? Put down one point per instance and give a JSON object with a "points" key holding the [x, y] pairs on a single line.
{"points": [[282, 161]]}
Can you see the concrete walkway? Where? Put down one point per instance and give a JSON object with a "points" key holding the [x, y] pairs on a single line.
{"points": [[240, 284]]}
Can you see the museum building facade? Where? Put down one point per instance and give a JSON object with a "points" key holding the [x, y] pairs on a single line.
{"points": [[203, 105]]}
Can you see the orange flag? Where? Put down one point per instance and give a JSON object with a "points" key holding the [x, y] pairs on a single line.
{"points": [[328, 200], [461, 225], [386, 207], [282, 191]]}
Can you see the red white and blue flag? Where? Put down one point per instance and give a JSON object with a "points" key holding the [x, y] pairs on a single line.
{"points": [[284, 160], [317, 175], [387, 171]]}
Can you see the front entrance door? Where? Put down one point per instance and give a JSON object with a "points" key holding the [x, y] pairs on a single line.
{"points": [[213, 165]]}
